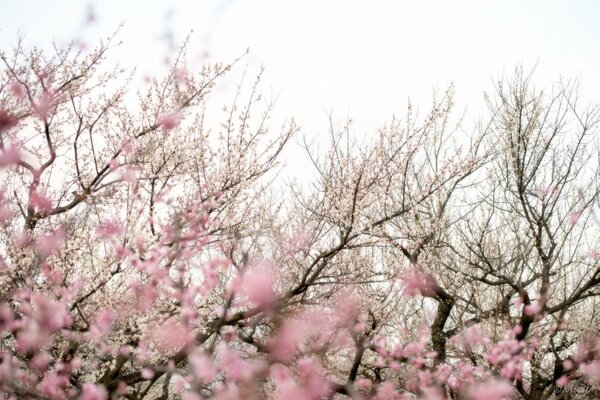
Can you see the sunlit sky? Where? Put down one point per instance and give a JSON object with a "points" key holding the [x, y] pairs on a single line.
{"points": [[361, 59]]}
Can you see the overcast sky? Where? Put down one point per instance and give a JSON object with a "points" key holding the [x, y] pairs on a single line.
{"points": [[357, 58]]}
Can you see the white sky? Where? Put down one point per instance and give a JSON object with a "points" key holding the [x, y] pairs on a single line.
{"points": [[358, 58]]}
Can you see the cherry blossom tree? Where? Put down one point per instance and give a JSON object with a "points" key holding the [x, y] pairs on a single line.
{"points": [[146, 254]]}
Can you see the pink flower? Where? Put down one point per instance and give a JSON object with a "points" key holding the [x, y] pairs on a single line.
{"points": [[40, 362], [108, 229], [545, 191], [291, 333], [6, 317], [363, 384], [414, 348], [121, 251], [181, 75], [567, 364], [574, 217], [127, 147], [50, 314], [129, 175], [234, 367], [298, 241], [202, 367], [16, 89], [53, 276], [30, 339], [494, 356], [6, 121], [591, 370], [533, 308], [594, 255], [145, 297], [53, 385], [104, 320], [230, 391], [473, 336], [170, 121], [511, 369], [290, 390], [170, 336], [49, 244], [313, 379], [147, 373], [257, 284], [433, 393], [191, 396], [40, 202], [91, 391], [562, 381], [43, 105], [492, 389], [386, 391], [419, 283], [9, 156], [518, 301]]}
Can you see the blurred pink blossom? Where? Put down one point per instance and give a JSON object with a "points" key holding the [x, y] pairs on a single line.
{"points": [[169, 121], [574, 217], [91, 391], [9, 156], [258, 284], [492, 389]]}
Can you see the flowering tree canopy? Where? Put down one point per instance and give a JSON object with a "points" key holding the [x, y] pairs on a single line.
{"points": [[147, 256]]}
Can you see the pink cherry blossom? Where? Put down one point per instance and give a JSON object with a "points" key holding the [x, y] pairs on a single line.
{"points": [[258, 284], [39, 201], [147, 373], [202, 367], [591, 370], [91, 391], [169, 121], [170, 336], [51, 243], [6, 120], [418, 283], [562, 381], [42, 106], [533, 308], [9, 156], [127, 147], [574, 217], [105, 320], [108, 229], [491, 390]]}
